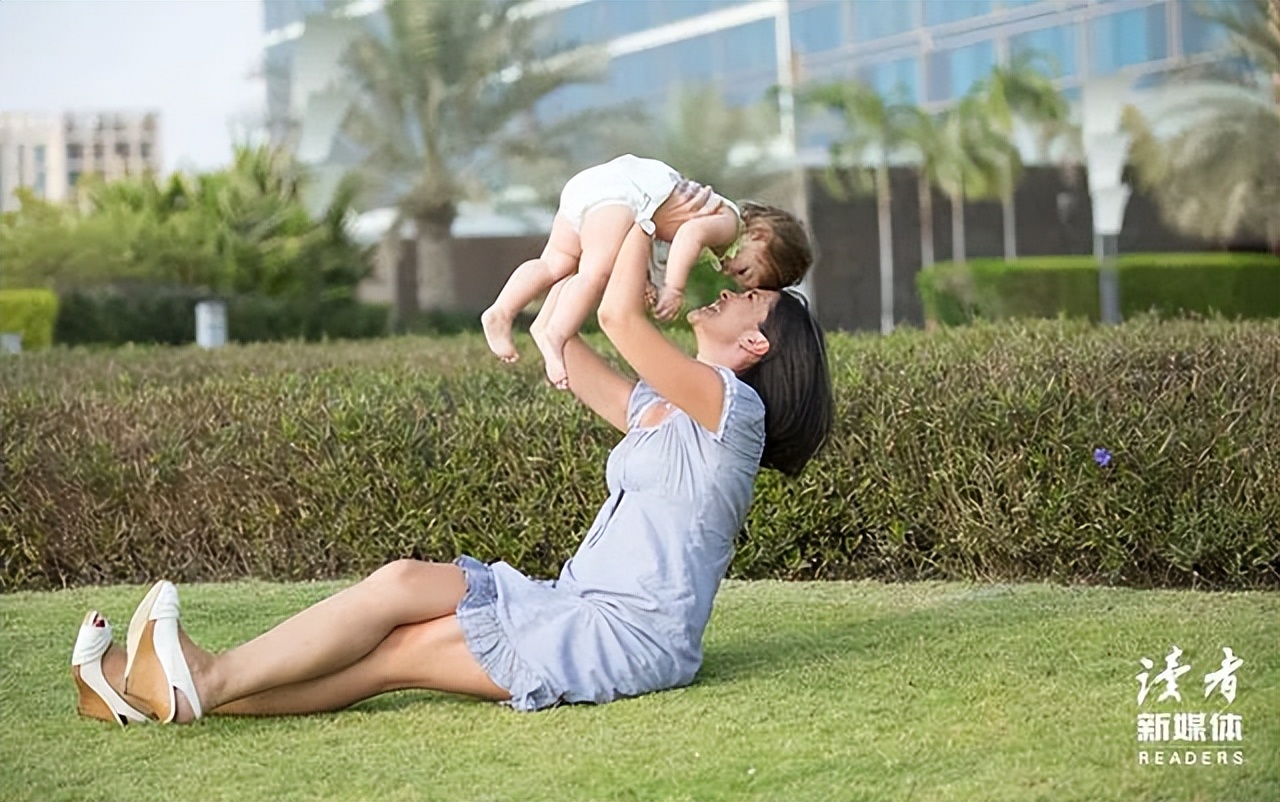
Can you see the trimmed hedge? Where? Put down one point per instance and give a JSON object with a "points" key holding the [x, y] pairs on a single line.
{"points": [[1233, 285], [168, 317], [31, 312], [962, 453]]}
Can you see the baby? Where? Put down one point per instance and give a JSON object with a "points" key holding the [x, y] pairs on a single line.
{"points": [[757, 246]]}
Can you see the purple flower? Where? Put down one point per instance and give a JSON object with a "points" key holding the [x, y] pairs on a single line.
{"points": [[1102, 457]]}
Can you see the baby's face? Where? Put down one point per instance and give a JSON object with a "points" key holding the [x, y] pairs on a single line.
{"points": [[748, 267]]}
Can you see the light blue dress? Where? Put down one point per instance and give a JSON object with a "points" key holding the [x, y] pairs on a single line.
{"points": [[626, 615]]}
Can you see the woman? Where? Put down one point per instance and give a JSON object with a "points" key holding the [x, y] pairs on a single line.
{"points": [[626, 615]]}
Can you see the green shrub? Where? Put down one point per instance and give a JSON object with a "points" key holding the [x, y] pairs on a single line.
{"points": [[962, 453], [167, 317], [1234, 285], [30, 312]]}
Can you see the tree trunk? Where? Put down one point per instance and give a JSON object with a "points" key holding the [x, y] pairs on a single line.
{"points": [[402, 275], [1010, 226], [926, 219], [885, 223], [436, 287], [958, 254]]}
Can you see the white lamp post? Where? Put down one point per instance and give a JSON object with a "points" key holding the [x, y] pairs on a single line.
{"points": [[787, 115], [1106, 148]]}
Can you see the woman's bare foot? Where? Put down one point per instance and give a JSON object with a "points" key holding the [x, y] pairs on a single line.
{"points": [[552, 349], [497, 331], [198, 661]]}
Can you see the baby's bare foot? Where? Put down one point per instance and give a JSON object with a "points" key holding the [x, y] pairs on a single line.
{"points": [[497, 332], [552, 349]]}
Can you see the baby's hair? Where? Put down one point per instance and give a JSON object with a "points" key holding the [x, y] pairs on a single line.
{"points": [[790, 252]]}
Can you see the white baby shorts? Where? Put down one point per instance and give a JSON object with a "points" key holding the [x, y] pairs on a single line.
{"points": [[640, 184]]}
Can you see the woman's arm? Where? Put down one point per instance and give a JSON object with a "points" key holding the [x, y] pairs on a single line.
{"points": [[693, 386], [602, 389]]}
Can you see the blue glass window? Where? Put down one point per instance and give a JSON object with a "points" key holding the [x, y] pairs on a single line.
{"points": [[1130, 37], [1058, 45], [1018, 3], [627, 16], [279, 13], [691, 60], [278, 73], [578, 25], [874, 19], [894, 79], [817, 28], [938, 12], [953, 72], [746, 93], [676, 10], [1198, 33], [631, 76], [749, 48], [568, 100], [378, 25]]}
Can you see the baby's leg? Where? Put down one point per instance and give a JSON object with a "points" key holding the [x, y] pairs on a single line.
{"points": [[603, 232], [559, 259]]}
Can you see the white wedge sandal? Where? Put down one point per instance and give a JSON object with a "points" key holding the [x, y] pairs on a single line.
{"points": [[156, 668], [97, 698]]}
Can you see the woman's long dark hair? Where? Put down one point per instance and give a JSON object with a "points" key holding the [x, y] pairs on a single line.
{"points": [[793, 381]]}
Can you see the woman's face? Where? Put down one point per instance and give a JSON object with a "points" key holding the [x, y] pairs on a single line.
{"points": [[732, 315]]}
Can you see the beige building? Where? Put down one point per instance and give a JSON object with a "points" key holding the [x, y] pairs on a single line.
{"points": [[32, 155], [111, 144], [49, 154]]}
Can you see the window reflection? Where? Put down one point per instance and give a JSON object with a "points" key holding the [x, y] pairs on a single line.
{"points": [[1130, 37]]}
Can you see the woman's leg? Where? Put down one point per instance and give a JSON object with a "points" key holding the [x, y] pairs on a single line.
{"points": [[330, 635], [531, 279], [432, 656], [603, 232]]}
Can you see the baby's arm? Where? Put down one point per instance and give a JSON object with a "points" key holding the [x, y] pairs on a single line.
{"points": [[715, 231]]}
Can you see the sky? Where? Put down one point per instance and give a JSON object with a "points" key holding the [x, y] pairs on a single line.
{"points": [[193, 60]]}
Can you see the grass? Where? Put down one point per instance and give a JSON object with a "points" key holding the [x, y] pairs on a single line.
{"points": [[934, 691]]}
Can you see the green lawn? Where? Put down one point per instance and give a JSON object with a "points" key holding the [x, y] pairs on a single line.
{"points": [[809, 691]]}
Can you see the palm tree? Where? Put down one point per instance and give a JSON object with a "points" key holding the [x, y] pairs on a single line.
{"points": [[874, 129], [697, 133], [971, 159], [922, 132], [443, 102], [1021, 90], [1217, 175]]}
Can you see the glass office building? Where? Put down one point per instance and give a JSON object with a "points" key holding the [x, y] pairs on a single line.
{"points": [[930, 52]]}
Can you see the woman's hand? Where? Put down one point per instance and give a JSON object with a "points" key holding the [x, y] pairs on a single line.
{"points": [[689, 200]]}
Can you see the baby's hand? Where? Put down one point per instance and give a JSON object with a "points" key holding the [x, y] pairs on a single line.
{"points": [[650, 295], [669, 303]]}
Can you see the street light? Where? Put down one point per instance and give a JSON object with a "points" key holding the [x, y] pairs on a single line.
{"points": [[785, 56], [1106, 148]]}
